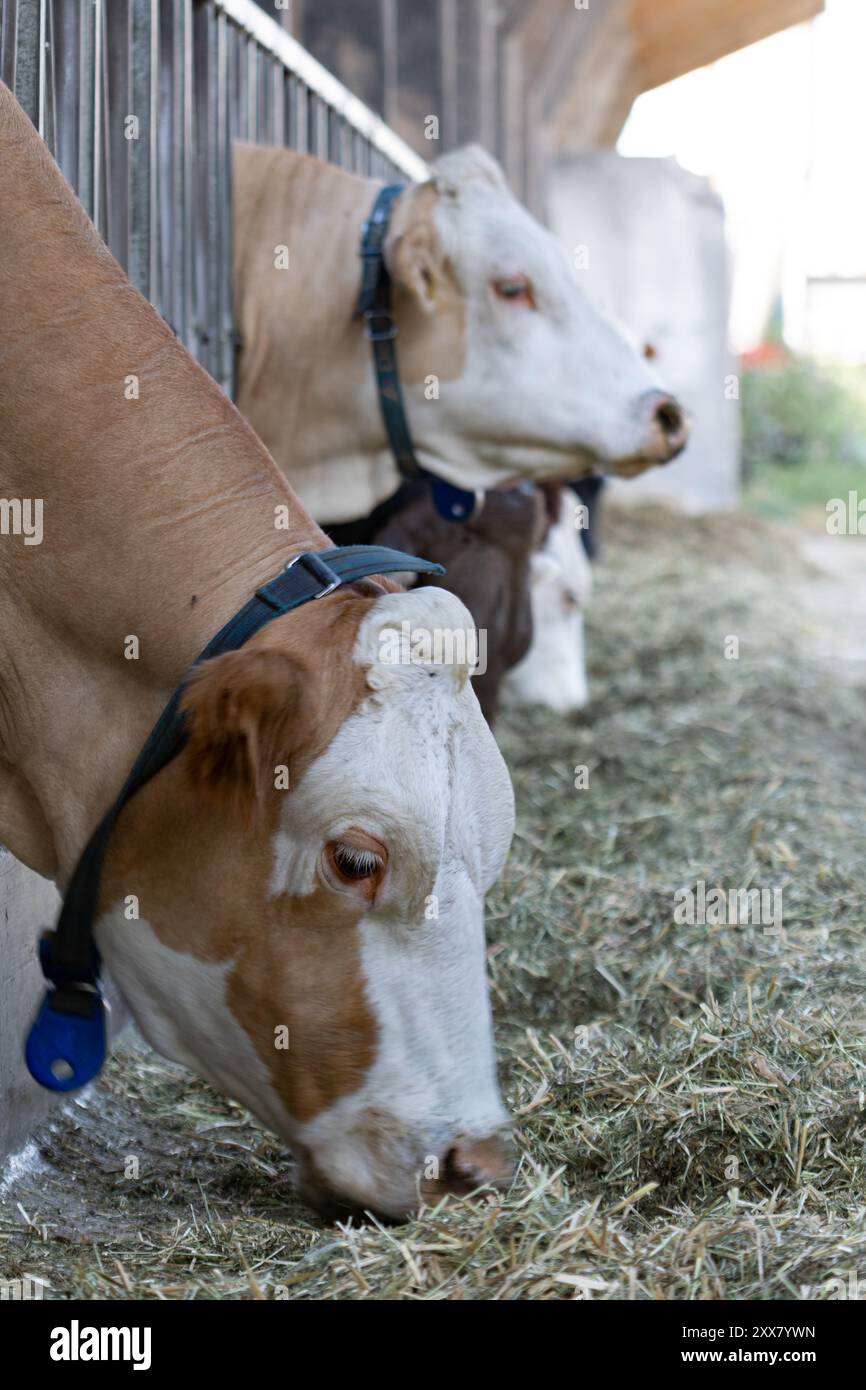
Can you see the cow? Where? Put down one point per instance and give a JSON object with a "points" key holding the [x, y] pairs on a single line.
{"points": [[508, 371], [522, 571], [315, 951], [487, 562], [553, 670]]}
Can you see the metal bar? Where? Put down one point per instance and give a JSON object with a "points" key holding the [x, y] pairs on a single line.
{"points": [[186, 258], [347, 144], [67, 62], [120, 104], [263, 104], [28, 42], [203, 23], [487, 20], [223, 188], [235, 41], [276, 84], [8, 15], [174, 156], [241, 101], [358, 149], [276, 40], [142, 118], [213, 155], [252, 75], [448, 58], [48, 74], [332, 137], [196, 74], [42, 74], [286, 133], [321, 120], [388, 9], [89, 103], [100, 117], [302, 116]]}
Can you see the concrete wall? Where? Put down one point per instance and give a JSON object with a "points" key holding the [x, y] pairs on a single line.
{"points": [[28, 904], [654, 240]]}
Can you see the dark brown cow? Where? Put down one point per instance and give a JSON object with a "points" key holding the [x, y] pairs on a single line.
{"points": [[487, 566]]}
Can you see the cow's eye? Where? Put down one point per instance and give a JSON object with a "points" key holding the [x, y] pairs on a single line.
{"points": [[516, 289], [355, 865]]}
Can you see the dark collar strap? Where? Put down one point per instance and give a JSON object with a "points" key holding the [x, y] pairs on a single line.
{"points": [[365, 530], [375, 308], [66, 1045]]}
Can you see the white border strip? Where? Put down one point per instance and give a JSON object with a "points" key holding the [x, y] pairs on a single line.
{"points": [[268, 33]]}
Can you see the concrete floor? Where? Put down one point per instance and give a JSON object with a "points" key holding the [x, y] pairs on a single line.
{"points": [[28, 904]]}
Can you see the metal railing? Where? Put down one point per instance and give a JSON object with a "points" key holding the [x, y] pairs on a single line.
{"points": [[140, 101]]}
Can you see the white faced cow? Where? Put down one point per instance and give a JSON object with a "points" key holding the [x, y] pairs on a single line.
{"points": [[508, 371], [345, 914], [553, 672]]}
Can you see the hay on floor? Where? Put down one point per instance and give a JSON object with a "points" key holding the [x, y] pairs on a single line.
{"points": [[690, 1100]]}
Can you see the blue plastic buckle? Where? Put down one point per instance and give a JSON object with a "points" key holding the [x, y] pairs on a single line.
{"points": [[66, 1045], [455, 503], [66, 1050]]}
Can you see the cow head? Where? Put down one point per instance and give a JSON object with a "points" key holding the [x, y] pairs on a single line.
{"points": [[487, 564], [534, 380], [309, 880], [553, 672]]}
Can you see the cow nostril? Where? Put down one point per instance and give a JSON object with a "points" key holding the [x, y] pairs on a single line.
{"points": [[669, 418], [457, 1175], [485, 1163]]}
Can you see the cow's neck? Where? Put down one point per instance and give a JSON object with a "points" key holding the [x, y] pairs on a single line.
{"points": [[159, 511], [305, 372]]}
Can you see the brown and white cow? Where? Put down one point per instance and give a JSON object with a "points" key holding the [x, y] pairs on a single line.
{"points": [[522, 571], [488, 562], [508, 370], [345, 914]]}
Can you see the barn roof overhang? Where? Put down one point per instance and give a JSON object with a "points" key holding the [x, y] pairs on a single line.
{"points": [[630, 46]]}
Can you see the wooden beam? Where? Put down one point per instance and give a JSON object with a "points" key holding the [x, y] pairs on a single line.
{"points": [[573, 35], [644, 43], [678, 36], [617, 111], [601, 78], [535, 29]]}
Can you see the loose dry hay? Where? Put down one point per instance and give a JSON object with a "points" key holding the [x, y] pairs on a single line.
{"points": [[690, 1100]]}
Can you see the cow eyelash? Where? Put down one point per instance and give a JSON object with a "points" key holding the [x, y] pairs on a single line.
{"points": [[355, 864], [515, 289]]}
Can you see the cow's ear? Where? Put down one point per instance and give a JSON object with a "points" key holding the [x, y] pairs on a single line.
{"points": [[246, 716], [415, 260]]}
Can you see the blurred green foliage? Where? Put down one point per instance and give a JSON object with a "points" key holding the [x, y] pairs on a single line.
{"points": [[804, 435]]}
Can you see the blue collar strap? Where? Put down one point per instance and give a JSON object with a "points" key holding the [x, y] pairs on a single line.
{"points": [[374, 307], [66, 1045]]}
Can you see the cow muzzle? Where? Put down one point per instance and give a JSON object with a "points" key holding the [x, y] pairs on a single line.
{"points": [[664, 432], [467, 1167], [668, 427]]}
